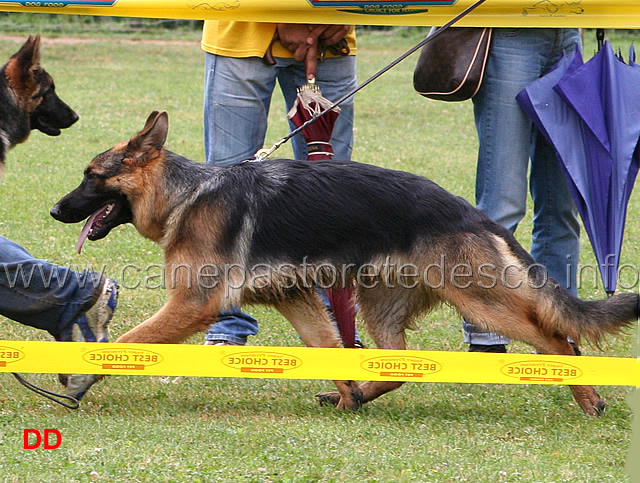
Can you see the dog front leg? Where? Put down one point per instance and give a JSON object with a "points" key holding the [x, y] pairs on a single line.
{"points": [[176, 321]]}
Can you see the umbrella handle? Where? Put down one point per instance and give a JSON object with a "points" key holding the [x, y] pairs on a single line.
{"points": [[600, 38]]}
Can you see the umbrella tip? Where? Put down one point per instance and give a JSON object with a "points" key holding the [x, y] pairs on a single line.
{"points": [[311, 84]]}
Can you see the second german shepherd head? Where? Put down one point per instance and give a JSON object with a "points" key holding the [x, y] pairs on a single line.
{"points": [[28, 99]]}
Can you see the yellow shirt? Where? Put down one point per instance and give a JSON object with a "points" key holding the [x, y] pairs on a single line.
{"points": [[249, 39]]}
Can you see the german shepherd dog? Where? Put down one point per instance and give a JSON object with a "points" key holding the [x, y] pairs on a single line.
{"points": [[28, 99], [287, 226]]}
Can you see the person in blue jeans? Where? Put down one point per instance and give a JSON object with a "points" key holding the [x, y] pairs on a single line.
{"points": [[507, 141], [237, 96], [70, 305]]}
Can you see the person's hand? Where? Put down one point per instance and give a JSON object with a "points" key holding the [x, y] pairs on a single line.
{"points": [[332, 34], [326, 35], [303, 41], [296, 38]]}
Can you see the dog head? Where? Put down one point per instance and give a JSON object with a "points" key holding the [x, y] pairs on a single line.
{"points": [[35, 91], [116, 182]]}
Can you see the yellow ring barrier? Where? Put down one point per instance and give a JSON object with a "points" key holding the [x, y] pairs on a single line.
{"points": [[314, 363], [623, 14]]}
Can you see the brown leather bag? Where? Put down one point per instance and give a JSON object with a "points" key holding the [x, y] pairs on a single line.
{"points": [[451, 66]]}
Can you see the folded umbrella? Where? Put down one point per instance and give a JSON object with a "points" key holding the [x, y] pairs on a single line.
{"points": [[310, 103], [590, 113]]}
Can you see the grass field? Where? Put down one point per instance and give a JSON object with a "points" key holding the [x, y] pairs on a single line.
{"points": [[199, 429]]}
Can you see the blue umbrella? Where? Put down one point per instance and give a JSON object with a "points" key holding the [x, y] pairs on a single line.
{"points": [[590, 113]]}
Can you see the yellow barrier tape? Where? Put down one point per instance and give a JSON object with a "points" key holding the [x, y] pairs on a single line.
{"points": [[498, 13], [314, 363]]}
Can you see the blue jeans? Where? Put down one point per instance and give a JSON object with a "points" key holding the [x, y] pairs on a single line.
{"points": [[507, 140], [237, 98], [42, 295]]}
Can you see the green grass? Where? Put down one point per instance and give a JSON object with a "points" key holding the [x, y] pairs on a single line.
{"points": [[166, 429]]}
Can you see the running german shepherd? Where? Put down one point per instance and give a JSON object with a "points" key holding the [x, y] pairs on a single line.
{"points": [[28, 99], [269, 232]]}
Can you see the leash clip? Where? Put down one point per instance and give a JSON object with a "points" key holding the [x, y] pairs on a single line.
{"points": [[264, 153]]}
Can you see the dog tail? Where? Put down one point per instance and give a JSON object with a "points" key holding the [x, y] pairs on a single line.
{"points": [[589, 319], [557, 311]]}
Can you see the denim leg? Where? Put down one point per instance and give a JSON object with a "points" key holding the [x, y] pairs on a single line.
{"points": [[237, 98], [556, 228], [234, 326], [505, 134], [42, 295]]}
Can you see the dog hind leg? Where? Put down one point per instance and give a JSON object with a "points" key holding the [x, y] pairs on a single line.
{"points": [[311, 319], [513, 314], [387, 312], [586, 396]]}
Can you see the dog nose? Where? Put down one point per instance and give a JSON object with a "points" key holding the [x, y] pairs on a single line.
{"points": [[55, 211], [73, 117]]}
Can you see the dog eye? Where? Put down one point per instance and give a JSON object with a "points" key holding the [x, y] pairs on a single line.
{"points": [[91, 175], [44, 90], [96, 176]]}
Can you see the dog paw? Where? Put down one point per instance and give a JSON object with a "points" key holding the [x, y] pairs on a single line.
{"points": [[328, 398], [334, 399], [589, 400], [594, 409]]}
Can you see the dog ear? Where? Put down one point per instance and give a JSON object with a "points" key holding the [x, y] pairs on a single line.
{"points": [[34, 49], [24, 63], [28, 56], [145, 145]]}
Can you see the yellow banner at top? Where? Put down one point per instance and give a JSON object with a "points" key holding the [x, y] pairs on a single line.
{"points": [[624, 14]]}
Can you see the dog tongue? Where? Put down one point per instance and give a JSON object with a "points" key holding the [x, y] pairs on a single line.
{"points": [[87, 228]]}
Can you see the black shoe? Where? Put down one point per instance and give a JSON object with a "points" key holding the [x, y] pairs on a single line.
{"points": [[497, 348]]}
